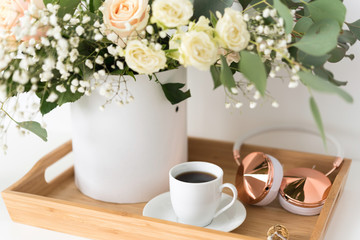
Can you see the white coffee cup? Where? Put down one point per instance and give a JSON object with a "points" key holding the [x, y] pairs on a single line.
{"points": [[197, 203]]}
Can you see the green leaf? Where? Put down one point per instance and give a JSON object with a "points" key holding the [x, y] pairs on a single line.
{"points": [[213, 19], [244, 3], [337, 55], [66, 6], [253, 69], [327, 9], [322, 85], [325, 74], [347, 37], [355, 28], [35, 128], [284, 12], [308, 60], [68, 96], [215, 73], [317, 117], [174, 93], [320, 39], [95, 4], [226, 75], [203, 7], [303, 25]]}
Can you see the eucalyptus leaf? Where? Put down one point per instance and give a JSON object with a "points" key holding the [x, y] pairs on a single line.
{"points": [[322, 85], [174, 93], [320, 39], [284, 12], [327, 9], [215, 73], [347, 36], [35, 128], [204, 7], [337, 55], [253, 69], [355, 28], [317, 117], [226, 75], [303, 25], [323, 73], [309, 60]]}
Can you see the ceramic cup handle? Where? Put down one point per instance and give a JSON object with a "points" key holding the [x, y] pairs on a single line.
{"points": [[235, 194]]}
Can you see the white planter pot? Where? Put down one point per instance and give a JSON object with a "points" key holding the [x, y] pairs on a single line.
{"points": [[124, 153]]}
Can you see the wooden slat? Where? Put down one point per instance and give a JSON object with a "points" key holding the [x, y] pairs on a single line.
{"points": [[61, 207]]}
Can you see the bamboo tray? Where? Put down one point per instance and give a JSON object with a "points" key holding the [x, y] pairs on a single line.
{"points": [[59, 206]]}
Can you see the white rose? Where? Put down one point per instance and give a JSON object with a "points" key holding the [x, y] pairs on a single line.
{"points": [[232, 30], [197, 49], [144, 59], [172, 13]]}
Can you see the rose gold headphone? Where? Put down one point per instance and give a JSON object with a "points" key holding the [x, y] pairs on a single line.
{"points": [[259, 177]]}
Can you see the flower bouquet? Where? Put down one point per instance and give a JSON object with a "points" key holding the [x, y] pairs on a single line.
{"points": [[60, 50]]}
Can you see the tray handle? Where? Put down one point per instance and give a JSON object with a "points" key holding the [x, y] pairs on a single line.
{"points": [[34, 180]]}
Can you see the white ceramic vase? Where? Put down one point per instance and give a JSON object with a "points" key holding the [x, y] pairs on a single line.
{"points": [[124, 153]]}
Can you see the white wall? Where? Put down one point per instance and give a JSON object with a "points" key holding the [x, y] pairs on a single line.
{"points": [[208, 118]]}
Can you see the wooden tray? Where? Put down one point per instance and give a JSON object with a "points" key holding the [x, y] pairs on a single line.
{"points": [[59, 206]]}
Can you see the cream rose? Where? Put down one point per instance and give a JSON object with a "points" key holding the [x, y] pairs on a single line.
{"points": [[197, 49], [172, 13], [232, 30], [125, 17], [144, 59]]}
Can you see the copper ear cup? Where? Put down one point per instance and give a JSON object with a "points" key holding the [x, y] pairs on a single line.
{"points": [[304, 188], [258, 179]]}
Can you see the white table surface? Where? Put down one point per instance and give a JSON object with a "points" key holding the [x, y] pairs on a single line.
{"points": [[345, 222]]}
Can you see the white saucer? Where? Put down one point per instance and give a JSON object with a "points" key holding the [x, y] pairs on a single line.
{"points": [[160, 207]]}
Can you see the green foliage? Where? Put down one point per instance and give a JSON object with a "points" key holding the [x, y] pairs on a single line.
{"points": [[244, 3], [215, 73], [204, 7], [337, 55], [320, 39], [95, 4], [317, 117], [322, 85], [226, 75], [308, 60], [327, 9], [303, 25], [284, 12], [325, 74], [347, 37], [253, 69], [35, 128], [174, 93], [355, 28], [66, 6]]}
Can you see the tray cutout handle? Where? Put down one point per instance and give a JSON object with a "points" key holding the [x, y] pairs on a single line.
{"points": [[34, 181]]}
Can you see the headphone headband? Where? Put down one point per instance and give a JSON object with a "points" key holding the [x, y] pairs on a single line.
{"points": [[241, 140]]}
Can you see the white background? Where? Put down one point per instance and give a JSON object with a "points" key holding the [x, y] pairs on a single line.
{"points": [[208, 118]]}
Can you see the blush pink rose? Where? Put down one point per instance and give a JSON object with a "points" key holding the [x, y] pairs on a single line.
{"points": [[124, 17], [12, 10]]}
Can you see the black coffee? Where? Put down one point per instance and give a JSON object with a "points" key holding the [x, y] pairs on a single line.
{"points": [[195, 177]]}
